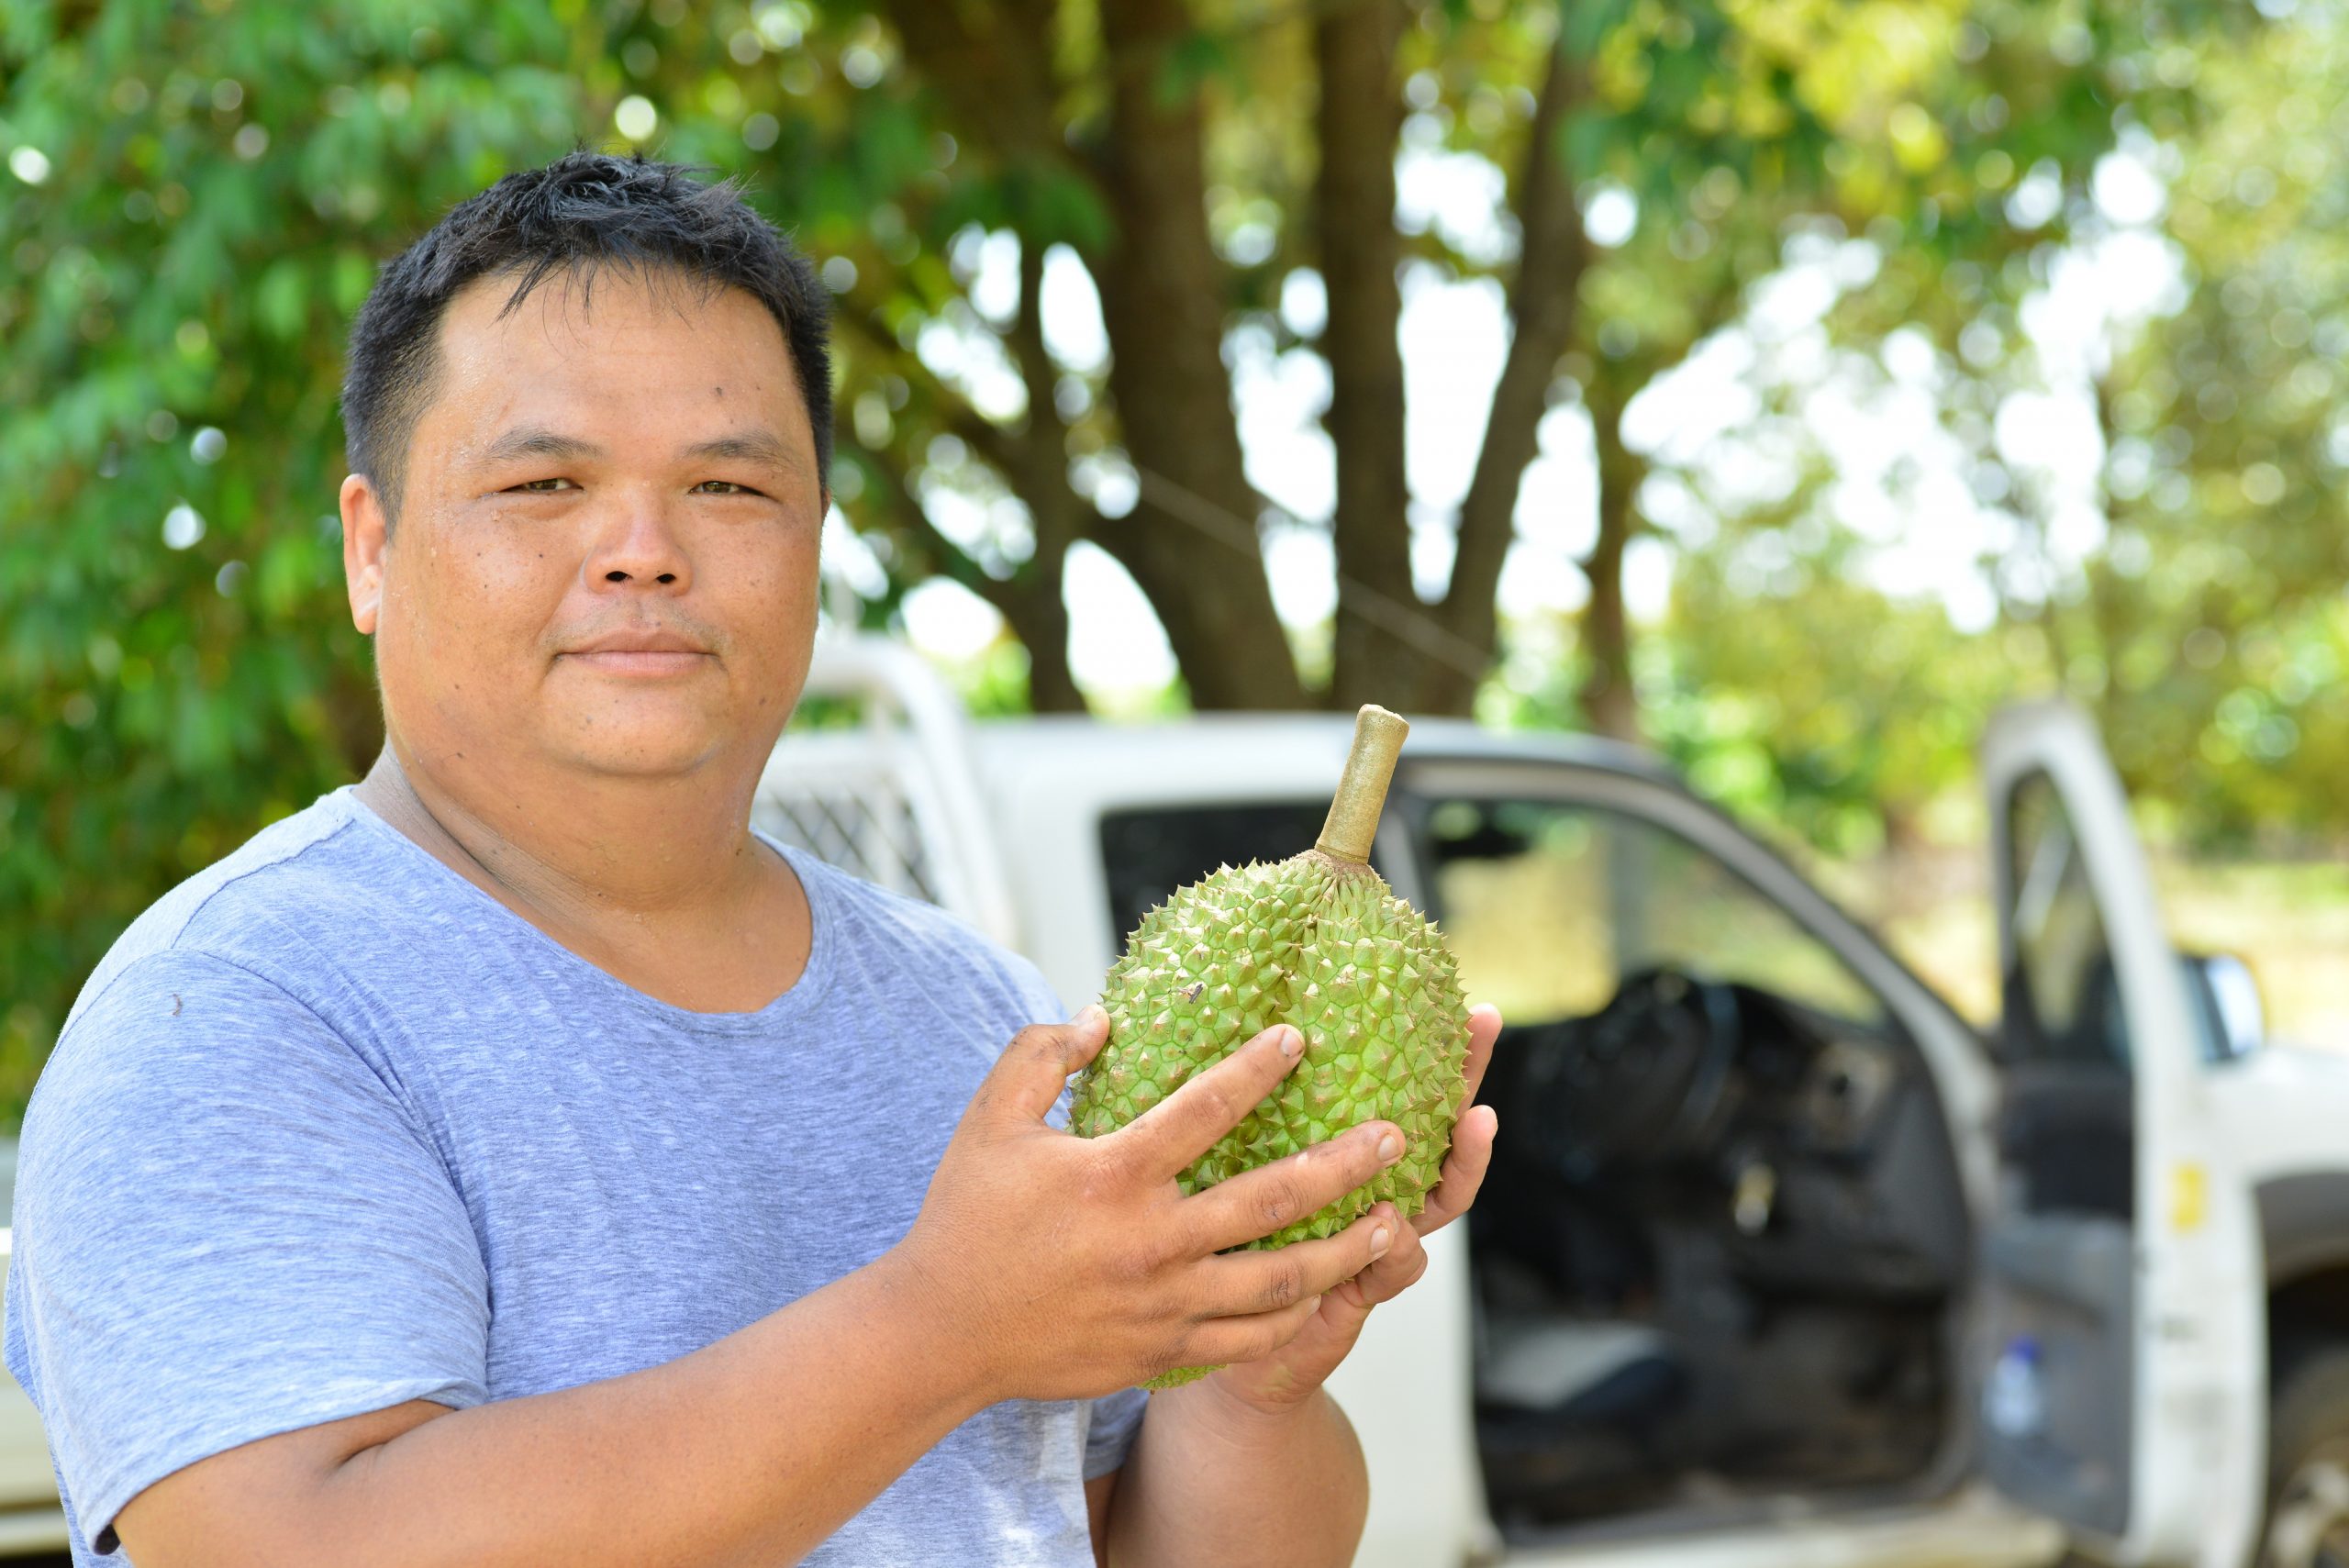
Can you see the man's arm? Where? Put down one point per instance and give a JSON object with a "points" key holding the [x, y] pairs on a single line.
{"points": [[1042, 1266], [1213, 1479], [754, 1447]]}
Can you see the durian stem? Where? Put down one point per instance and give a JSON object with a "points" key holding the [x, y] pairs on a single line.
{"points": [[1362, 788]]}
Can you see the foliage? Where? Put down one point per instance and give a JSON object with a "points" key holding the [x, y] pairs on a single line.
{"points": [[198, 197], [2190, 593], [216, 190], [2212, 631]]}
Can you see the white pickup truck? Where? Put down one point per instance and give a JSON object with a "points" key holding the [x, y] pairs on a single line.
{"points": [[1780, 1262]]}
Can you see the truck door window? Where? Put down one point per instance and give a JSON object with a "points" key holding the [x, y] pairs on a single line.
{"points": [[1150, 852], [1550, 905], [2061, 998]]}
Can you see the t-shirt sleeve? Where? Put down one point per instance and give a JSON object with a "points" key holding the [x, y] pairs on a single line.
{"points": [[228, 1226], [1109, 1436]]}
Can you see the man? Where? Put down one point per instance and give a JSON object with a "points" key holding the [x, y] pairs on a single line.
{"points": [[514, 1159]]}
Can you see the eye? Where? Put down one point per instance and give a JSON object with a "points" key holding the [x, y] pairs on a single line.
{"points": [[725, 487], [539, 486]]}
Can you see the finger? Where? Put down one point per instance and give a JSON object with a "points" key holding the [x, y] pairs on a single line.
{"points": [[1345, 1307], [1257, 1202], [1226, 1342], [1173, 1133], [1484, 1028], [1242, 1283], [1385, 1280], [1464, 1169], [1031, 1072]]}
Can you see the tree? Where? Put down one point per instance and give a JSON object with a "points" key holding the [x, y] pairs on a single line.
{"points": [[2190, 594], [195, 204], [176, 665]]}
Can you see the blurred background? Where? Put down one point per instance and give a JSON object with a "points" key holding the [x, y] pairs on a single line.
{"points": [[1783, 384]]}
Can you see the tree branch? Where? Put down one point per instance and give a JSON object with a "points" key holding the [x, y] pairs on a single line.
{"points": [[1032, 464], [1007, 451], [902, 505], [1043, 478], [1608, 703], [1542, 302], [992, 63]]}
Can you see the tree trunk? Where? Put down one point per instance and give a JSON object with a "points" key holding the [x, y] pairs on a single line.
{"points": [[1055, 510], [1191, 545], [1191, 542], [1608, 703], [1359, 118], [1042, 625]]}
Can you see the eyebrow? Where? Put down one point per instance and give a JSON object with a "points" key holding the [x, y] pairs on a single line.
{"points": [[749, 446], [536, 440]]}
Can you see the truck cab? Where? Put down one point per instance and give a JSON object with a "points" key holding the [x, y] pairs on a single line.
{"points": [[1780, 1261]]}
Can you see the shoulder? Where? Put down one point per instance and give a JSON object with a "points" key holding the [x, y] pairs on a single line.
{"points": [[175, 1028], [280, 867], [184, 1070], [256, 906], [898, 940]]}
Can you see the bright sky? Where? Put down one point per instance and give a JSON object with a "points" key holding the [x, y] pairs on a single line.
{"points": [[1874, 417]]}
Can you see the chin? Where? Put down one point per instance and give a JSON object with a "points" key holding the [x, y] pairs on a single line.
{"points": [[655, 739], [660, 755]]}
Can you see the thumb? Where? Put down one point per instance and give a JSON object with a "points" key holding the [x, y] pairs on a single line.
{"points": [[1032, 1073]]}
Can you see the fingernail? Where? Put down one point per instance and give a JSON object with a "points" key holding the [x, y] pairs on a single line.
{"points": [[1087, 1013], [1390, 1148], [1380, 1239], [1312, 1304], [1292, 1043]]}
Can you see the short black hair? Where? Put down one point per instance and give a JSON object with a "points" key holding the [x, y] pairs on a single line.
{"points": [[580, 212]]}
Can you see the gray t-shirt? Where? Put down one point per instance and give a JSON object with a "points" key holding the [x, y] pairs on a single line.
{"points": [[330, 1129]]}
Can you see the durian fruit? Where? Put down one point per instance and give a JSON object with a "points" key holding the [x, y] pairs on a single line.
{"points": [[1320, 941]]}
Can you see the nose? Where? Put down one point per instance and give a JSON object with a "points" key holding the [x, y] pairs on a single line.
{"points": [[637, 542]]}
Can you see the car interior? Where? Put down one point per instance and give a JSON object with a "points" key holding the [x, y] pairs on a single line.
{"points": [[1717, 1257]]}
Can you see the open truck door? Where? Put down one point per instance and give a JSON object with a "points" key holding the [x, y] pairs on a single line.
{"points": [[2124, 1389]]}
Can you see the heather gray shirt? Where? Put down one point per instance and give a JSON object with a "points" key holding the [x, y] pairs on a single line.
{"points": [[330, 1129]]}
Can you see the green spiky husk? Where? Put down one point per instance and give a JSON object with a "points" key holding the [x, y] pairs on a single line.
{"points": [[1318, 943]]}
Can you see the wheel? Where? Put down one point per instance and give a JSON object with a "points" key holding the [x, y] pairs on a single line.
{"points": [[2308, 1468]]}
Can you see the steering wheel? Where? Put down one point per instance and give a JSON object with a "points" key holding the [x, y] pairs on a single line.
{"points": [[1642, 1078]]}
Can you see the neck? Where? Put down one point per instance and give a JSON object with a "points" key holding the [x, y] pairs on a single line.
{"points": [[626, 851]]}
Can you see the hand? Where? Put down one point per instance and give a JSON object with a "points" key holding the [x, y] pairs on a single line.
{"points": [[1062, 1267], [1288, 1375]]}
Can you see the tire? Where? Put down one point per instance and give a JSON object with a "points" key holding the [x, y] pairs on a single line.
{"points": [[2308, 1467]]}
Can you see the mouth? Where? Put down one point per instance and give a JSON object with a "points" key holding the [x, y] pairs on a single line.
{"points": [[640, 652], [640, 661]]}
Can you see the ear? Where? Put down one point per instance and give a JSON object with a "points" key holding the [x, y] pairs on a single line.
{"points": [[366, 537]]}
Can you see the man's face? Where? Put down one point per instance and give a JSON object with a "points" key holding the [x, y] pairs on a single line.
{"points": [[606, 558]]}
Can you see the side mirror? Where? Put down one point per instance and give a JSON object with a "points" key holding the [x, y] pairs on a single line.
{"points": [[2234, 1020]]}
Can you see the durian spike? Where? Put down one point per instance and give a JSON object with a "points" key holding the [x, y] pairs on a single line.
{"points": [[1362, 788]]}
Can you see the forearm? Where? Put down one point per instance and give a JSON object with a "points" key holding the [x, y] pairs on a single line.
{"points": [[753, 1449], [1213, 1480]]}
